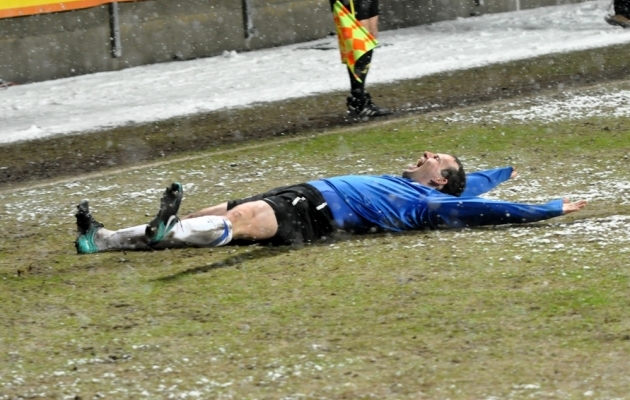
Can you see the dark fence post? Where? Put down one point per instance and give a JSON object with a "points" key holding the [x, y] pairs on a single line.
{"points": [[115, 30], [247, 18]]}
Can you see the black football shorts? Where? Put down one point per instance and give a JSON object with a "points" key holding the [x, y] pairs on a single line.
{"points": [[300, 210]]}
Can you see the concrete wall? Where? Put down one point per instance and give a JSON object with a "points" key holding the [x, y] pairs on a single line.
{"points": [[58, 45], [401, 14]]}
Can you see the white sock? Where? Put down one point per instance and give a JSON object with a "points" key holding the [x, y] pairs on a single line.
{"points": [[123, 239], [207, 231]]}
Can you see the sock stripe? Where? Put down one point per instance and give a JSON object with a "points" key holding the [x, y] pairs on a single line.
{"points": [[226, 236]]}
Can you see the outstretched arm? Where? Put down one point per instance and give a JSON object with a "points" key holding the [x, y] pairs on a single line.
{"points": [[475, 211], [481, 182]]}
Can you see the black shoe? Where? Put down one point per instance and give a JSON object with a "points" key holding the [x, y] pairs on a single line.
{"points": [[169, 205], [362, 106], [86, 229]]}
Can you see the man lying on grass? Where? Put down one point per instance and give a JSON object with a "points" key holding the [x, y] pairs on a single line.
{"points": [[433, 193]]}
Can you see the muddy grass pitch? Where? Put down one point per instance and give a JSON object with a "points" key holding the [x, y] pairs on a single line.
{"points": [[531, 311]]}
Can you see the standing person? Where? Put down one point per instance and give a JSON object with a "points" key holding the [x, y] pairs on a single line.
{"points": [[360, 102], [622, 14], [432, 193]]}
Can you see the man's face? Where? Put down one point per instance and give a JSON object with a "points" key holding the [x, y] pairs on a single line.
{"points": [[428, 169]]}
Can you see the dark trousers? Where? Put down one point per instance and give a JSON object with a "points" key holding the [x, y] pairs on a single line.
{"points": [[363, 9], [622, 7]]}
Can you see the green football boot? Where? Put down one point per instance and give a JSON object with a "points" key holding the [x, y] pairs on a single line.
{"points": [[166, 217], [87, 227]]}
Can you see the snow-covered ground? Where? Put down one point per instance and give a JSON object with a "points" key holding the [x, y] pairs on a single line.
{"points": [[161, 91]]}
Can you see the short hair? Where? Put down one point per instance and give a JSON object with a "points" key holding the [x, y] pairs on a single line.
{"points": [[456, 179]]}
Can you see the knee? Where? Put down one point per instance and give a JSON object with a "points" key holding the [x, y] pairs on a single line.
{"points": [[237, 215]]}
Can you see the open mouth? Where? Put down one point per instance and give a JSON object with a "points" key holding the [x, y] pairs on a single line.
{"points": [[419, 163]]}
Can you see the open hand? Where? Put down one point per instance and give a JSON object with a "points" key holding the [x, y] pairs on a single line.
{"points": [[569, 207]]}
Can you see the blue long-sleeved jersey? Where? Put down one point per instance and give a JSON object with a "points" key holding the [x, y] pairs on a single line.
{"points": [[360, 203]]}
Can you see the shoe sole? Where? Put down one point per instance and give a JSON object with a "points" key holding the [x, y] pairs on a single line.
{"points": [[352, 115], [83, 212], [613, 22], [157, 228]]}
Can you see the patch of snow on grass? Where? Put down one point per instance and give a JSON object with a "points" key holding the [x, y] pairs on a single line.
{"points": [[597, 102]]}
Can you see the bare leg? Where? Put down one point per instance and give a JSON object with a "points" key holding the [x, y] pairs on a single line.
{"points": [[251, 221], [219, 209], [255, 220]]}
